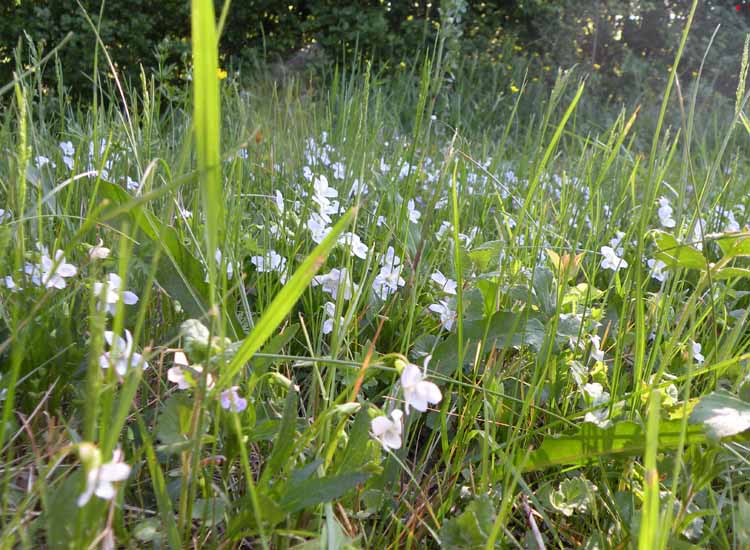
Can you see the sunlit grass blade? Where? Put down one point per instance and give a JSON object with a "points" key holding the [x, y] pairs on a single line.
{"points": [[207, 125]]}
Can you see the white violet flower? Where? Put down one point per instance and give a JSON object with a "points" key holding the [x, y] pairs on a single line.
{"points": [[418, 392], [388, 430]]}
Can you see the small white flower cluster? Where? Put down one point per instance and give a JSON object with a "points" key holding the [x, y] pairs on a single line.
{"points": [[613, 253], [94, 166], [445, 308], [389, 279], [665, 213], [418, 394], [101, 476], [185, 376], [271, 262]]}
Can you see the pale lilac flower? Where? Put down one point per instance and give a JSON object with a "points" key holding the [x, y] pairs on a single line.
{"points": [[697, 355], [270, 261], [665, 213], [611, 260], [337, 280], [181, 374], [387, 431], [9, 283], [5, 215], [446, 312], [732, 225], [596, 344], [384, 166], [230, 268], [354, 243], [596, 397], [121, 355], [99, 251], [100, 477], [279, 200], [68, 152], [388, 280], [418, 392], [445, 227], [41, 161], [657, 268], [328, 324], [231, 401], [447, 285], [109, 293], [50, 273], [184, 213], [414, 214], [380, 221], [318, 227], [339, 171], [130, 184], [358, 188]]}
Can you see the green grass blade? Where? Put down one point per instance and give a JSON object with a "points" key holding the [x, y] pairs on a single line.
{"points": [[207, 125]]}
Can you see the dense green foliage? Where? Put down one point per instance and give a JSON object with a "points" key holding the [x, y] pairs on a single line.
{"points": [[627, 46], [447, 306]]}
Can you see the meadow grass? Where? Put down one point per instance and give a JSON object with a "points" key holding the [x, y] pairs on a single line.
{"points": [[255, 282]]}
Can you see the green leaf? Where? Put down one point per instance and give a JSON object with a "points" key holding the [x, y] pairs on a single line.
{"points": [[242, 521], [721, 414], [674, 254], [319, 490], [173, 425], [357, 451], [730, 273], [470, 529], [742, 522], [733, 244], [284, 301], [486, 254], [622, 438], [506, 329], [148, 530], [209, 511], [573, 495], [284, 443]]}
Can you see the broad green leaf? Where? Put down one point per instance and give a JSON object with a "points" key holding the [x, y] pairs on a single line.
{"points": [[173, 425], [357, 451], [742, 522], [721, 414], [622, 438], [284, 301], [470, 529], [573, 495], [486, 255], [209, 511], [319, 490], [284, 442], [148, 530], [733, 244], [730, 273], [675, 254], [506, 329], [242, 521]]}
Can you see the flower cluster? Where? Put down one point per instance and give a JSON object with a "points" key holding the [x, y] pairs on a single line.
{"points": [[418, 394]]}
